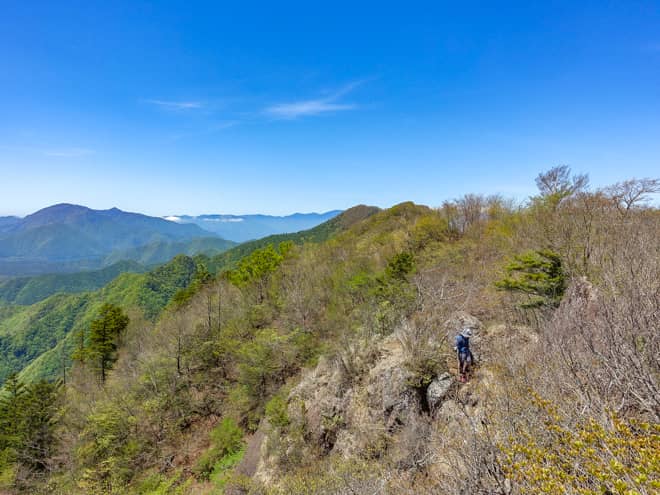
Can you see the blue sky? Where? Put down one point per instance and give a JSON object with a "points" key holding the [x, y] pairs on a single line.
{"points": [[193, 107]]}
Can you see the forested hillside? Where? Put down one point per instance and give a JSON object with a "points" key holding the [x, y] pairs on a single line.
{"points": [[325, 366], [37, 339], [320, 233], [29, 290]]}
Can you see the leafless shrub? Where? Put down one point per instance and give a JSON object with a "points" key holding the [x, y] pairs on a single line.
{"points": [[303, 286], [610, 345], [558, 182], [425, 351], [354, 358], [632, 193]]}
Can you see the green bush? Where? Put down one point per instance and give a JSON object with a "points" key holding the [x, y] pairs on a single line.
{"points": [[538, 275], [276, 412], [221, 473], [227, 436], [226, 440]]}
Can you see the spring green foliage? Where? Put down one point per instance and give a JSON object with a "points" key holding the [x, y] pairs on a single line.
{"points": [[247, 358], [28, 332], [160, 285], [586, 458], [257, 265], [226, 443], [257, 268], [107, 449], [276, 412], [27, 431], [321, 233], [30, 290], [104, 335], [200, 278], [38, 340], [538, 275], [159, 484], [400, 266]]}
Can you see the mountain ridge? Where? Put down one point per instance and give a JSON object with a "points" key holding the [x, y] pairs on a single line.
{"points": [[66, 237], [243, 228]]}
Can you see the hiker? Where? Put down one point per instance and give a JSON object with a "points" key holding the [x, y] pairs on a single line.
{"points": [[462, 348]]}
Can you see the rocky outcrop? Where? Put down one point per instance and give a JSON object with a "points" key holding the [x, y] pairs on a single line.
{"points": [[361, 403], [437, 390]]}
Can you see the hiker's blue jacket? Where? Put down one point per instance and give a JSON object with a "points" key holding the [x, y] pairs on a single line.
{"points": [[462, 344]]}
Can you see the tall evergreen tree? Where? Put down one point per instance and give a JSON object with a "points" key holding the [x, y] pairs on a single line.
{"points": [[27, 431], [11, 412], [104, 335], [38, 435]]}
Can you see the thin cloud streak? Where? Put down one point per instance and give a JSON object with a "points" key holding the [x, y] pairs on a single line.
{"points": [[177, 105], [68, 152], [306, 108], [317, 106]]}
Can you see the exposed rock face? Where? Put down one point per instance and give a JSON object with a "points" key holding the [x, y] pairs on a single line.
{"points": [[437, 390], [319, 402], [390, 382], [461, 319], [367, 402]]}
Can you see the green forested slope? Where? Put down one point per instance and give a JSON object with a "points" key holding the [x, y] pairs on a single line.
{"points": [[38, 339], [29, 290], [320, 233]]}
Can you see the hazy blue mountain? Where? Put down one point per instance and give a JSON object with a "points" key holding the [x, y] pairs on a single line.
{"points": [[241, 228], [7, 223], [65, 238]]}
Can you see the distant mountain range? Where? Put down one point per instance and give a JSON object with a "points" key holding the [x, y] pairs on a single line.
{"points": [[8, 222], [67, 238], [241, 228]]}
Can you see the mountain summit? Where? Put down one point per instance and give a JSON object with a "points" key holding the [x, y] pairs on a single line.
{"points": [[67, 237]]}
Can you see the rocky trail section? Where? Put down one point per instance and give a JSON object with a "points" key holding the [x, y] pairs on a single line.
{"points": [[368, 402]]}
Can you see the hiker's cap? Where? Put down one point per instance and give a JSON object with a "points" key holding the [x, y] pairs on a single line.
{"points": [[467, 332]]}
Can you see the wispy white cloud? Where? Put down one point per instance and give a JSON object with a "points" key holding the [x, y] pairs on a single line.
{"points": [[68, 152], [306, 108], [316, 106], [177, 105]]}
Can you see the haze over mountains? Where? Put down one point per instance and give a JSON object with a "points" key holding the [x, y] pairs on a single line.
{"points": [[241, 228], [68, 238]]}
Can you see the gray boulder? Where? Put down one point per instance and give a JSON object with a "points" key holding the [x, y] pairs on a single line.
{"points": [[438, 389]]}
